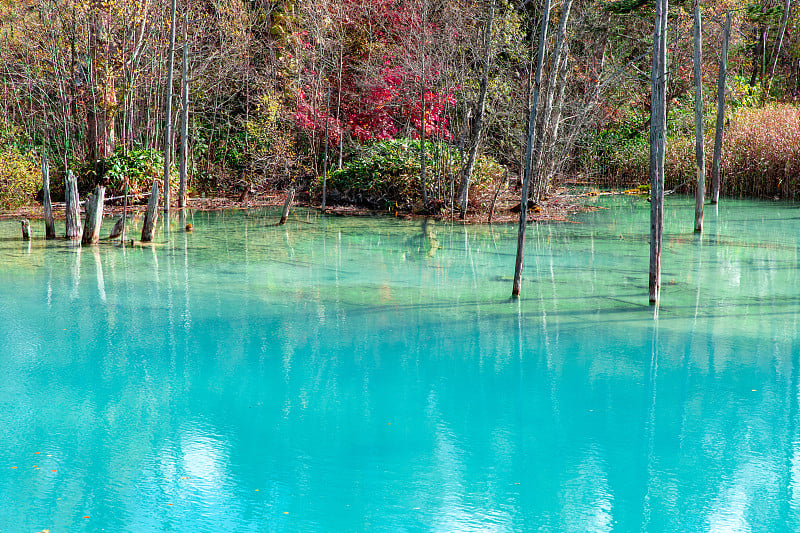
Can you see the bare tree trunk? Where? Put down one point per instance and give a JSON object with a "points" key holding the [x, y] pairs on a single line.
{"points": [[658, 132], [539, 153], [422, 123], [168, 110], [184, 114], [325, 156], [776, 50], [477, 124], [151, 215], [94, 216], [49, 222], [699, 149], [72, 220], [526, 182], [723, 71]]}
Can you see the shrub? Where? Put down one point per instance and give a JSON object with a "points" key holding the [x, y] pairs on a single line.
{"points": [[140, 166], [386, 174], [20, 178]]}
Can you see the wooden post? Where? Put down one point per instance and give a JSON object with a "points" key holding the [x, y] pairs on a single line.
{"points": [[151, 215], [526, 181], [723, 71], [49, 222], [699, 149], [168, 111], [184, 114], [26, 229], [72, 220], [286, 205], [94, 216], [658, 133]]}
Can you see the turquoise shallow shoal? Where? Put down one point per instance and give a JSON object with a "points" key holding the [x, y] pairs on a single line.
{"points": [[372, 374]]}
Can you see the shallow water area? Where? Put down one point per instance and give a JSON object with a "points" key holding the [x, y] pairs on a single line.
{"points": [[372, 374]]}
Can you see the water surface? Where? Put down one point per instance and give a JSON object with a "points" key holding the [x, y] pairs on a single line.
{"points": [[371, 374]]}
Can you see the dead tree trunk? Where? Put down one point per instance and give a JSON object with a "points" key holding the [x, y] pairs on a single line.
{"points": [[325, 155], [151, 215], [480, 108], [723, 71], [184, 115], [526, 182], [422, 117], [658, 132], [286, 205], [94, 216], [49, 222], [776, 50], [699, 148], [72, 219], [26, 229], [168, 109]]}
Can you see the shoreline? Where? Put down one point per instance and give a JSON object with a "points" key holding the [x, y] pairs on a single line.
{"points": [[559, 206]]}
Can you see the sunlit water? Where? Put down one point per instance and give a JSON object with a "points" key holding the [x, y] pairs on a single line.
{"points": [[371, 374]]}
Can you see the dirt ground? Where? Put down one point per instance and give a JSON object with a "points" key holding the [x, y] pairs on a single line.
{"points": [[559, 206]]}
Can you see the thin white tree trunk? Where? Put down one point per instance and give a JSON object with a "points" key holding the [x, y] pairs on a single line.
{"points": [[658, 132], [526, 181], [723, 71], [168, 108], [699, 149]]}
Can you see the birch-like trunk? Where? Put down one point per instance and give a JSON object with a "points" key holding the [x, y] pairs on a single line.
{"points": [[168, 108], [526, 181], [477, 124], [723, 71], [699, 149], [658, 132], [184, 115]]}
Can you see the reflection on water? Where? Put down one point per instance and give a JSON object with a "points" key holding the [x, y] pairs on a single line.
{"points": [[359, 374]]}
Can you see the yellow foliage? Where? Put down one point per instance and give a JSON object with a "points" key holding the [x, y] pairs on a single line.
{"points": [[19, 178]]}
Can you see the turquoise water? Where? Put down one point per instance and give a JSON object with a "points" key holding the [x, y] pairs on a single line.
{"points": [[371, 374]]}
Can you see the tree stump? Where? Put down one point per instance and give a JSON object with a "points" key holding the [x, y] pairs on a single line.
{"points": [[94, 216], [72, 220], [116, 231], [286, 205], [151, 215], [49, 222], [26, 229]]}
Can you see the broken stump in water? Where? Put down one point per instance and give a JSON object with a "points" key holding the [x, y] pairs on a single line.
{"points": [[286, 205], [116, 231], [49, 222], [94, 216], [151, 215], [26, 229], [72, 219]]}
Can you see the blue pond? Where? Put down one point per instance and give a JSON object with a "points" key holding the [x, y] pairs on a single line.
{"points": [[371, 374]]}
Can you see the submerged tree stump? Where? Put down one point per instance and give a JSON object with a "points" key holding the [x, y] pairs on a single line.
{"points": [[49, 222], [119, 226], [94, 216], [286, 205], [26, 229], [72, 220], [151, 215]]}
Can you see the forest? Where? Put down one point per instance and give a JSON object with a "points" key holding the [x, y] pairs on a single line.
{"points": [[395, 105]]}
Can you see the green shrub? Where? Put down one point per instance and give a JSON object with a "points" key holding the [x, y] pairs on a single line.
{"points": [[387, 174], [140, 166]]}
